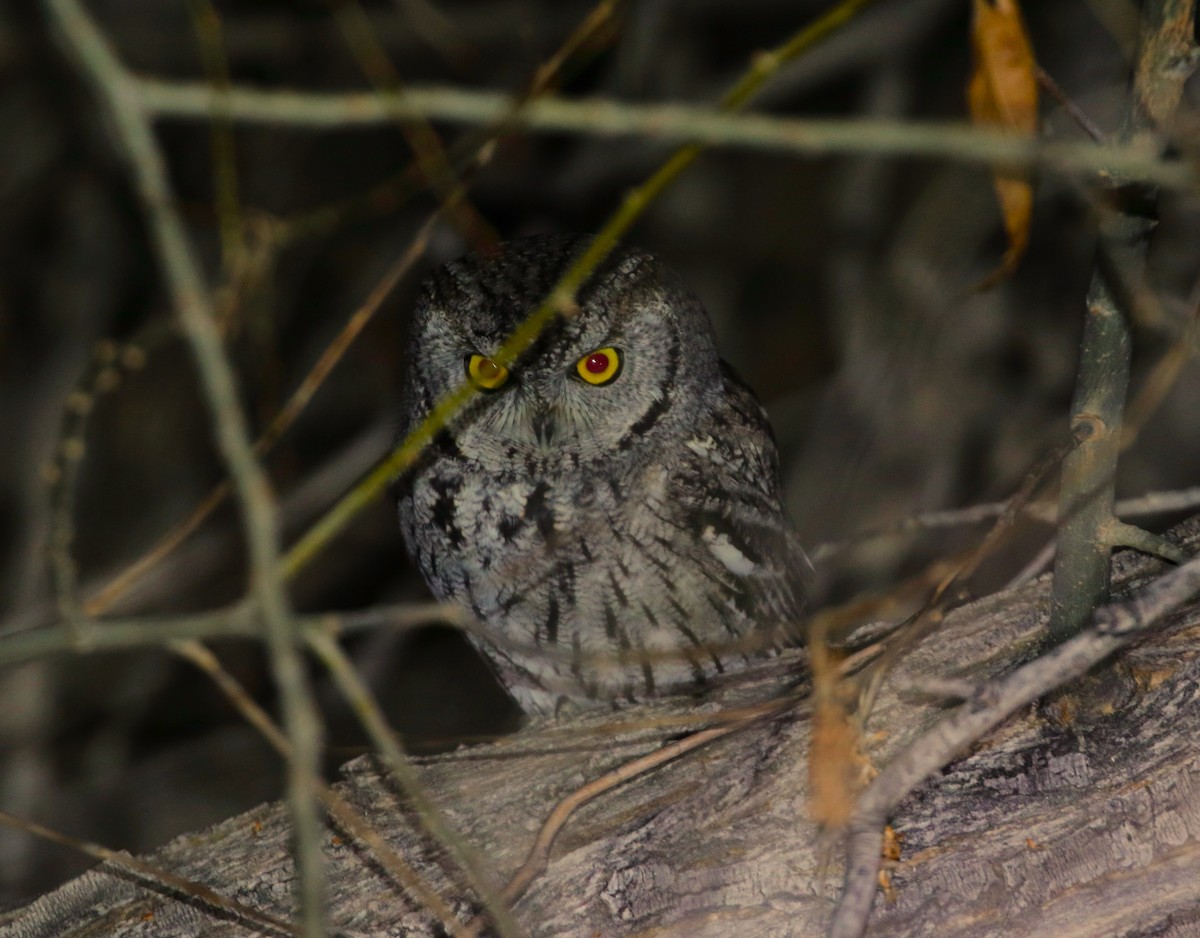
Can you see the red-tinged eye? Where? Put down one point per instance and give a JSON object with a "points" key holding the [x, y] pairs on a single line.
{"points": [[599, 367]]}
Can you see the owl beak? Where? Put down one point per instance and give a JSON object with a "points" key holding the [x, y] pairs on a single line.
{"points": [[545, 427]]}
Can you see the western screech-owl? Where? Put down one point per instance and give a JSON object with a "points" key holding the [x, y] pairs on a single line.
{"points": [[609, 507]]}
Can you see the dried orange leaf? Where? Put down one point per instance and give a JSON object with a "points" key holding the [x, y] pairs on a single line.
{"points": [[836, 766], [1003, 92], [1004, 87], [833, 767]]}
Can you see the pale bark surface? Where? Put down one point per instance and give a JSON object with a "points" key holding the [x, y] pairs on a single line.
{"points": [[1092, 828]]}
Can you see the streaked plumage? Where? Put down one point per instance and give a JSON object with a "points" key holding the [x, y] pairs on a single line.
{"points": [[614, 541]]}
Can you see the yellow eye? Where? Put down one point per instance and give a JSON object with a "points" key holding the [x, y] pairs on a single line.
{"points": [[486, 374], [599, 367]]}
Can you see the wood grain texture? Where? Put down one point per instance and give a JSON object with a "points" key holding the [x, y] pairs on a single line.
{"points": [[1092, 828]]}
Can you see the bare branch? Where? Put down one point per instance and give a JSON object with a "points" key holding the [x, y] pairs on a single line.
{"points": [[672, 123]]}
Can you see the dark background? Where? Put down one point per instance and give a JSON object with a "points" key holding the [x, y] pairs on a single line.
{"points": [[840, 288]]}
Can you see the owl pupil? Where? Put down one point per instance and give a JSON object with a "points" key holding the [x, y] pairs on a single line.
{"points": [[488, 370], [597, 363]]}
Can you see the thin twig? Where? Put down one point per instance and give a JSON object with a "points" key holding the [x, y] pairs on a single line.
{"points": [[430, 155], [538, 858], [1068, 104], [1153, 503], [1158, 503], [437, 29], [1034, 568], [206, 22], [603, 16], [108, 364], [1165, 372]]}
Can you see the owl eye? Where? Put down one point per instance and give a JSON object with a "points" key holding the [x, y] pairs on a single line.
{"points": [[599, 367], [485, 374]]}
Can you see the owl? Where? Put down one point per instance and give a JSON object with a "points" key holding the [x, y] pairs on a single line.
{"points": [[609, 506]]}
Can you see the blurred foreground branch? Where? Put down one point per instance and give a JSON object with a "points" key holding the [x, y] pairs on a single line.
{"points": [[667, 123], [1085, 832], [190, 296]]}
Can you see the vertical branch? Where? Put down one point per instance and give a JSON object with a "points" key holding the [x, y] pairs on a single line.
{"points": [[1166, 58], [1081, 574], [115, 88], [206, 22]]}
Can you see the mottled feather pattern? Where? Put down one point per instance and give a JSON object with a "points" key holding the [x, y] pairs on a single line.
{"points": [[613, 541]]}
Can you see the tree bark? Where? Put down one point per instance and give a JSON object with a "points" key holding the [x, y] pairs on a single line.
{"points": [[1088, 828]]}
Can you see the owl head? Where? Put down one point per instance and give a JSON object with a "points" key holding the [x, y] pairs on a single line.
{"points": [[636, 363]]}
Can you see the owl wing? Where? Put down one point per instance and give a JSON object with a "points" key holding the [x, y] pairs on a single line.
{"points": [[734, 502]]}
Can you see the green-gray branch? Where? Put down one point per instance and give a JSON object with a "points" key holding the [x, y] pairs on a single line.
{"points": [[668, 123]]}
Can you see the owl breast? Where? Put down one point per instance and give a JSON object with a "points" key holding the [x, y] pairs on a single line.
{"points": [[613, 582], [609, 507]]}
